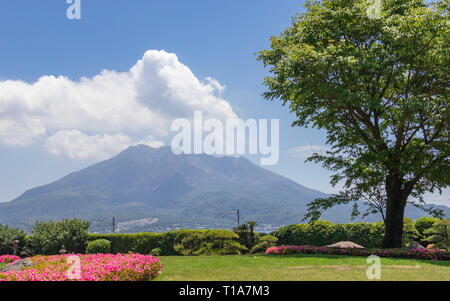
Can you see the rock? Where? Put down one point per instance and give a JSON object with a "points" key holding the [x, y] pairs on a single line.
{"points": [[416, 245], [346, 244], [17, 266]]}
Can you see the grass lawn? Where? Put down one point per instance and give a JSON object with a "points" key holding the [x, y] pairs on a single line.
{"points": [[296, 267], [2, 264]]}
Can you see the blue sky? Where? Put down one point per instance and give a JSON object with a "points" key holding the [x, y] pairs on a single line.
{"points": [[213, 39]]}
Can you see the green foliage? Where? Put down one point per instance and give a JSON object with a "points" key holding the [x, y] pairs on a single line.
{"points": [[247, 236], [424, 223], [10, 239], [268, 238], [379, 88], [102, 246], [181, 242], [265, 242], [261, 247], [410, 232], [156, 252], [220, 242], [321, 233], [439, 234], [189, 244], [49, 237]]}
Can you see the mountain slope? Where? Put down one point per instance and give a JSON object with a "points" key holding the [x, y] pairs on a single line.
{"points": [[184, 191]]}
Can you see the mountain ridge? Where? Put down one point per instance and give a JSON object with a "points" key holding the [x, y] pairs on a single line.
{"points": [[179, 191]]}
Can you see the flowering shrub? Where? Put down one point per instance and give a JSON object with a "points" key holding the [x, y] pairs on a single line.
{"points": [[98, 267], [431, 254], [9, 258]]}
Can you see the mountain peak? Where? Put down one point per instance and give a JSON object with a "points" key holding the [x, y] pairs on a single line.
{"points": [[146, 182]]}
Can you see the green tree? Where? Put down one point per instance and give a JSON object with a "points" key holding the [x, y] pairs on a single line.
{"points": [[12, 240], [423, 224], [251, 226], [48, 238], [410, 233], [378, 86], [439, 234]]}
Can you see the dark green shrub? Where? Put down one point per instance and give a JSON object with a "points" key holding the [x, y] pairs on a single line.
{"points": [[410, 232], [424, 223], [230, 247], [439, 234], [12, 240], [264, 243], [261, 247], [145, 243], [285, 234], [102, 246], [322, 233], [223, 242], [208, 242], [318, 233], [47, 238], [268, 238], [246, 236], [189, 242]]}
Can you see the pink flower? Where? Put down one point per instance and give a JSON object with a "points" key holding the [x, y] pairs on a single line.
{"points": [[99, 267], [9, 258]]}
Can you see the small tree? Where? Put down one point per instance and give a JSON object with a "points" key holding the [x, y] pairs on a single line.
{"points": [[423, 224], [12, 240], [246, 234], [252, 225], [48, 238], [410, 233], [439, 234]]}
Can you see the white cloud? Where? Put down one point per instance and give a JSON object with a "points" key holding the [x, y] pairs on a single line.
{"points": [[151, 141], [77, 145], [111, 105], [20, 132], [306, 151]]}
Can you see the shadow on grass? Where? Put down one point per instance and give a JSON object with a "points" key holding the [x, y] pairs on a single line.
{"points": [[444, 263]]}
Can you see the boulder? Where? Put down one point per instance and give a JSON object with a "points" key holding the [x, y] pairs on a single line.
{"points": [[346, 244], [17, 266], [416, 245]]}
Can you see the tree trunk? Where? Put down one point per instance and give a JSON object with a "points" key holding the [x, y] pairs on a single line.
{"points": [[396, 203]]}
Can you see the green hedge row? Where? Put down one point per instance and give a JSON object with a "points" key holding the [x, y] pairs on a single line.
{"points": [[181, 242], [322, 233]]}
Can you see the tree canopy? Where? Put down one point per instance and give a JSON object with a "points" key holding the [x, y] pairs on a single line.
{"points": [[378, 86]]}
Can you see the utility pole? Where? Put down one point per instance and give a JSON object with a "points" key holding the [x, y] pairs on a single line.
{"points": [[231, 216], [114, 224]]}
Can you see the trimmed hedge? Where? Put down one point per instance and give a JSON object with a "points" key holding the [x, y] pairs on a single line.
{"points": [[99, 246], [181, 242], [321, 233]]}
